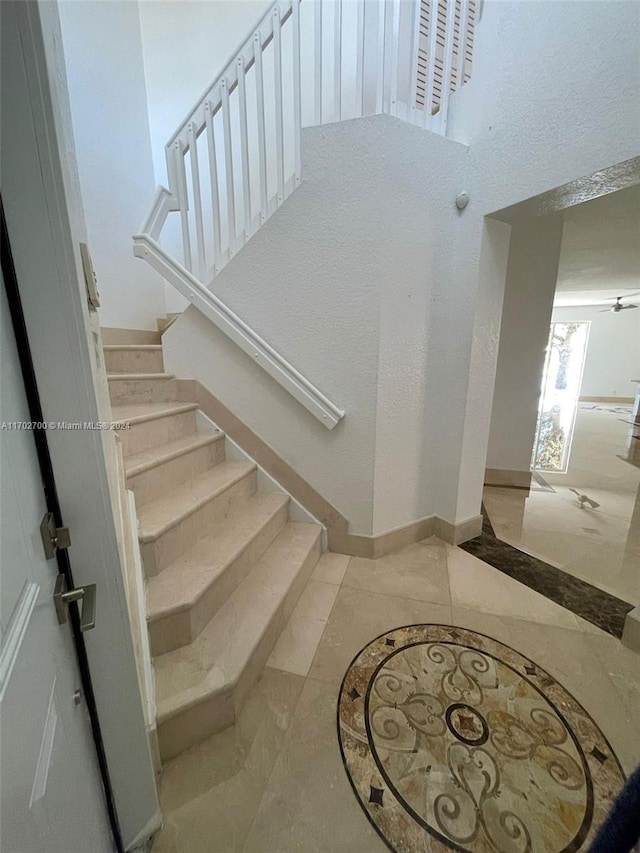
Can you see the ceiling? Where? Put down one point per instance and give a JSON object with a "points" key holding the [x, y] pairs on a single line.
{"points": [[600, 255]]}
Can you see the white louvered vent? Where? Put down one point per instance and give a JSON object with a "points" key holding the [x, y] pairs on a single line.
{"points": [[454, 81]]}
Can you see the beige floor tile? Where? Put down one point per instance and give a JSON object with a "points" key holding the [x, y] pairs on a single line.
{"points": [[418, 571], [330, 568], [298, 642], [476, 585], [586, 665], [308, 804], [598, 545], [210, 793], [623, 668], [357, 618]]}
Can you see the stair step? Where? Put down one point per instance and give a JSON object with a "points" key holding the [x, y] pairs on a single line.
{"points": [[185, 596], [142, 388], [154, 472], [139, 377], [163, 323], [153, 424], [112, 336], [202, 686], [133, 358], [170, 525]]}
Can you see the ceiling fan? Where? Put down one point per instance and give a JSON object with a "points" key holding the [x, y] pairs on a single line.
{"points": [[618, 306]]}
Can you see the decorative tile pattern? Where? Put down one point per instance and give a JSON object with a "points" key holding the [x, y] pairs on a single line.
{"points": [[582, 598], [452, 740]]}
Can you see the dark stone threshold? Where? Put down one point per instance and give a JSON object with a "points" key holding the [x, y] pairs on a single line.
{"points": [[593, 604]]}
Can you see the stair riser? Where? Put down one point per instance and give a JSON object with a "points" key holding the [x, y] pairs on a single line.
{"points": [[166, 476], [170, 545], [195, 724], [134, 361], [119, 337], [219, 710], [142, 436], [180, 629], [134, 391], [262, 651]]}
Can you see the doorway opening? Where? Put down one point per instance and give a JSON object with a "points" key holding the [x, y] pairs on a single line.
{"points": [[563, 468], [561, 382]]}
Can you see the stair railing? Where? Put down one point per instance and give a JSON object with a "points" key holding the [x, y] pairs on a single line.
{"points": [[236, 157]]}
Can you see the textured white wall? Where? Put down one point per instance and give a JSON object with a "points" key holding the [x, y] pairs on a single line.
{"points": [[419, 300], [613, 350], [532, 270], [554, 96], [339, 281], [109, 112]]}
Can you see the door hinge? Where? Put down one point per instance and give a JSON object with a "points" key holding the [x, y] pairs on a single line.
{"points": [[82, 594], [53, 537]]}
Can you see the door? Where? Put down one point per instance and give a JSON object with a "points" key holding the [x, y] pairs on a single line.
{"points": [[561, 381], [45, 223], [50, 786]]}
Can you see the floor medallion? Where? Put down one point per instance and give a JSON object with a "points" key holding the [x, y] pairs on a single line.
{"points": [[454, 741]]}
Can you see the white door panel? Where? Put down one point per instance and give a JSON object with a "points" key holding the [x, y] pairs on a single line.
{"points": [[51, 797]]}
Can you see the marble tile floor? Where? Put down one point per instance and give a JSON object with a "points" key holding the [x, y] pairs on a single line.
{"points": [[274, 782], [602, 609], [601, 545]]}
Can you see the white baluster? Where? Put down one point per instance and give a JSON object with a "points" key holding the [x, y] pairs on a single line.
{"points": [[215, 194], [318, 60], [228, 161], [277, 62], [337, 60], [197, 198], [394, 55], [262, 140], [244, 145], [381, 9], [297, 103], [183, 200], [360, 31]]}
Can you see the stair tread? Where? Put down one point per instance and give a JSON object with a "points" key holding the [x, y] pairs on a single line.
{"points": [[154, 456], [160, 515], [134, 347], [129, 377], [181, 583], [216, 658], [140, 412]]}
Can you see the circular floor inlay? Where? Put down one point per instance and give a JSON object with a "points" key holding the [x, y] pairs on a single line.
{"points": [[452, 740]]}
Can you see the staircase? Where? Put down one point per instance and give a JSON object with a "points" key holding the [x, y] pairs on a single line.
{"points": [[237, 156], [224, 563]]}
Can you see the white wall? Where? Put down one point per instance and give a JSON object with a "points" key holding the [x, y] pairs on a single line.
{"points": [[532, 269], [613, 349], [554, 96], [415, 177], [342, 281], [109, 111]]}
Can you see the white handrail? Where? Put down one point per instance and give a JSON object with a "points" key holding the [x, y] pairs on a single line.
{"points": [[223, 196], [239, 331]]}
